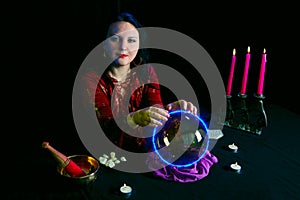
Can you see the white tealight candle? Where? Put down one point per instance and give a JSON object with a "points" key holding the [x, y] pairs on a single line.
{"points": [[125, 189], [233, 147], [236, 167]]}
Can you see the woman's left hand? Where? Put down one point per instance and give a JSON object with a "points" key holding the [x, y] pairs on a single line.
{"points": [[183, 105], [151, 116]]}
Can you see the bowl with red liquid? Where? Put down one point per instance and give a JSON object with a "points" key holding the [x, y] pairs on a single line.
{"points": [[89, 165]]}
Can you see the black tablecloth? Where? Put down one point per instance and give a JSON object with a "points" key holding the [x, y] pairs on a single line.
{"points": [[270, 170]]}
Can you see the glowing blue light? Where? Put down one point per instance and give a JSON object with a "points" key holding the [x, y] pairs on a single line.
{"points": [[190, 163]]}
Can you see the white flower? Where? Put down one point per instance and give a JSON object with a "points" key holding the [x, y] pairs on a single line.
{"points": [[102, 160], [112, 161]]}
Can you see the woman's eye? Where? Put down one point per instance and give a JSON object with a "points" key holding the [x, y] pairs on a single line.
{"points": [[131, 40], [114, 38]]}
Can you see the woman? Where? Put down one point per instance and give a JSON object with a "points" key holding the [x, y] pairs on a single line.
{"points": [[120, 82]]}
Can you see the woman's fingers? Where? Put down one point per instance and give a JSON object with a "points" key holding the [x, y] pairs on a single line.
{"points": [[155, 116], [183, 105], [155, 123], [159, 113], [190, 107]]}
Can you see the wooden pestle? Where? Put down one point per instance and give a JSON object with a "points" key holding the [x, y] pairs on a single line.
{"points": [[70, 167]]}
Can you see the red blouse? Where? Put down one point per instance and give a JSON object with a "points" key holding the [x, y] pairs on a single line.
{"points": [[147, 94]]}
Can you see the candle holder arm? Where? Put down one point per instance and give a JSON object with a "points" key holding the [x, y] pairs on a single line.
{"points": [[229, 112], [242, 115], [261, 119]]}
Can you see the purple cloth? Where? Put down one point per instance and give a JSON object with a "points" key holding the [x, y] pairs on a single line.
{"points": [[182, 174]]}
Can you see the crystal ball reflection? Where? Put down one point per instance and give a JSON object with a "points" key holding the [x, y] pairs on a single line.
{"points": [[182, 141]]}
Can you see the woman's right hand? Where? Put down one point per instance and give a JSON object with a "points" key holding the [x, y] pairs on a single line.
{"points": [[151, 116], [183, 105]]}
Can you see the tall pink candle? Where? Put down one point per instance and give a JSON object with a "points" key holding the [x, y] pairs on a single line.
{"points": [[229, 84], [262, 73], [246, 69]]}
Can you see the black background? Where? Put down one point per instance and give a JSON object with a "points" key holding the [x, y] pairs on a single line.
{"points": [[44, 44]]}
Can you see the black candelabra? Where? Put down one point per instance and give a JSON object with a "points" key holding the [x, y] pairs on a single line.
{"points": [[242, 112], [246, 114]]}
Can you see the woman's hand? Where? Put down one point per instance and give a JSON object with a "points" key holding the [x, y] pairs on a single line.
{"points": [[152, 116], [182, 105]]}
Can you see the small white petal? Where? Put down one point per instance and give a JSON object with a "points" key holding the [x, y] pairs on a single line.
{"points": [[110, 164], [112, 154], [123, 158], [105, 156], [117, 161], [102, 160]]}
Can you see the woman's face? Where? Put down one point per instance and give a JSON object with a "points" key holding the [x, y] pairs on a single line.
{"points": [[123, 43]]}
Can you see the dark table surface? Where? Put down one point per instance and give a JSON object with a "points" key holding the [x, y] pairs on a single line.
{"points": [[270, 170]]}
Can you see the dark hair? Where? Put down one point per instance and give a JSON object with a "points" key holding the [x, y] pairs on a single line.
{"points": [[143, 54], [127, 17]]}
